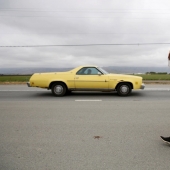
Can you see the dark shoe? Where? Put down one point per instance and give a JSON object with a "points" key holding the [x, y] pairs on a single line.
{"points": [[166, 139]]}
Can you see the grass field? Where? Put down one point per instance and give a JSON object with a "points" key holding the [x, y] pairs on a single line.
{"points": [[11, 78], [14, 78], [155, 76]]}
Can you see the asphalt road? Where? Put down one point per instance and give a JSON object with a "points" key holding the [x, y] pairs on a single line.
{"points": [[84, 131]]}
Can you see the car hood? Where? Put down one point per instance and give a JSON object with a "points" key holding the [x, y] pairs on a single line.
{"points": [[124, 76]]}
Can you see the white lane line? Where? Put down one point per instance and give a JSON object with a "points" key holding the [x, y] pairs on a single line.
{"points": [[88, 100]]}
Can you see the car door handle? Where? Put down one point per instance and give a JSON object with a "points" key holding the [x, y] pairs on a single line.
{"points": [[76, 77]]}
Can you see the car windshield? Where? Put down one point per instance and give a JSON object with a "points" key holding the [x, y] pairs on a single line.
{"points": [[102, 70]]}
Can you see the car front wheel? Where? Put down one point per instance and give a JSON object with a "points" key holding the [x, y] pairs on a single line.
{"points": [[58, 89], [124, 89]]}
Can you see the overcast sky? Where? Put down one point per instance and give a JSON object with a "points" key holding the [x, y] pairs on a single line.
{"points": [[77, 22]]}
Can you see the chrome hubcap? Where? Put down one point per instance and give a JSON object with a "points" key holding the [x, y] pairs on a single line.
{"points": [[124, 89], [58, 89]]}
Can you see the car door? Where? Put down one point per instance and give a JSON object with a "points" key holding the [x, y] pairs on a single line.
{"points": [[91, 78]]}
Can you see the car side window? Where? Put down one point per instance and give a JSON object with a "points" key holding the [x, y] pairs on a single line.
{"points": [[81, 71], [88, 71]]}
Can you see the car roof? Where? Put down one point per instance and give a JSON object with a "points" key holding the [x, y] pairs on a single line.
{"points": [[77, 68]]}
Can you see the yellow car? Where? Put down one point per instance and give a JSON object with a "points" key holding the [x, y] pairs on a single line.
{"points": [[86, 78]]}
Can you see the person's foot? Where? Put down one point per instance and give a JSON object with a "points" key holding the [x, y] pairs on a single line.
{"points": [[166, 139]]}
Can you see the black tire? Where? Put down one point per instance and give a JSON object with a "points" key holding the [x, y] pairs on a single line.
{"points": [[58, 89], [68, 92], [124, 89]]}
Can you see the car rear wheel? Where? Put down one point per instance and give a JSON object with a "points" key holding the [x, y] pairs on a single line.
{"points": [[58, 89], [124, 89]]}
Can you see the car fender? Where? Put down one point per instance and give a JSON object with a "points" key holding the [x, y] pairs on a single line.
{"points": [[55, 81]]}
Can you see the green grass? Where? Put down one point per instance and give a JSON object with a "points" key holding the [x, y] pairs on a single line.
{"points": [[155, 76], [11, 78]]}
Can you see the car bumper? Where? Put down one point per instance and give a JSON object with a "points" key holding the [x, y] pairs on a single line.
{"points": [[28, 84], [142, 86]]}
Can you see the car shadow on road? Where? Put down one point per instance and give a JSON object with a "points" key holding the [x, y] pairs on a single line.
{"points": [[108, 94], [89, 94]]}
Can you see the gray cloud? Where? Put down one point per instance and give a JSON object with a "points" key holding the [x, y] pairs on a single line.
{"points": [[86, 22]]}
